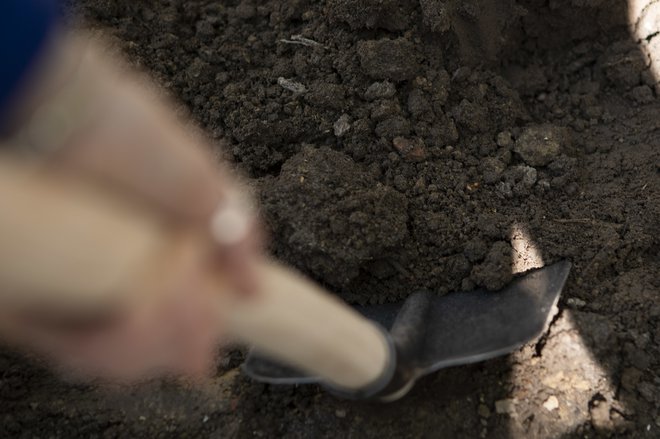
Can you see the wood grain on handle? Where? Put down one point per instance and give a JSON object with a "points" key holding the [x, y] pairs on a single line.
{"points": [[67, 246]]}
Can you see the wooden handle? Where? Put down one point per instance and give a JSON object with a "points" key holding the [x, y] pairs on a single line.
{"points": [[71, 247], [295, 321]]}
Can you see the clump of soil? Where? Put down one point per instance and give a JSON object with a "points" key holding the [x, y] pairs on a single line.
{"points": [[388, 59], [321, 194]]}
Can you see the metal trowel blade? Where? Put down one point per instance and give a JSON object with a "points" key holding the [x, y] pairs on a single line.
{"points": [[433, 332]]}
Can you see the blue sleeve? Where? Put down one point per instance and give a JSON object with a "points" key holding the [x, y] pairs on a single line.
{"points": [[25, 25]]}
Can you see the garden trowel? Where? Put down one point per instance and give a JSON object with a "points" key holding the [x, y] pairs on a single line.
{"points": [[428, 332]]}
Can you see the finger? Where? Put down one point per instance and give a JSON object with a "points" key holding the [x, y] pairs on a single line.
{"points": [[196, 338], [175, 335], [147, 153], [238, 236], [140, 147], [132, 141], [178, 336]]}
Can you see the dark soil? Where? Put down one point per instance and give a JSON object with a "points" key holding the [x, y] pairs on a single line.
{"points": [[394, 147]]}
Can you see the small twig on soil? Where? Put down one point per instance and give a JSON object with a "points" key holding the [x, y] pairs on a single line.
{"points": [[290, 85], [302, 41]]}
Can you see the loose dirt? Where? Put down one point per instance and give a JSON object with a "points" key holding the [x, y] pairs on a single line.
{"points": [[395, 146]]}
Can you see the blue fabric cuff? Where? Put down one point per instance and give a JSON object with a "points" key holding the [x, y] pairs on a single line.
{"points": [[25, 25]]}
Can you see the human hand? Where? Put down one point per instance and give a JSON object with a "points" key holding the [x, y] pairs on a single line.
{"points": [[122, 137], [169, 327]]}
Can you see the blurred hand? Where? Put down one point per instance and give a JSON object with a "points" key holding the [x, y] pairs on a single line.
{"points": [[173, 331], [132, 143]]}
